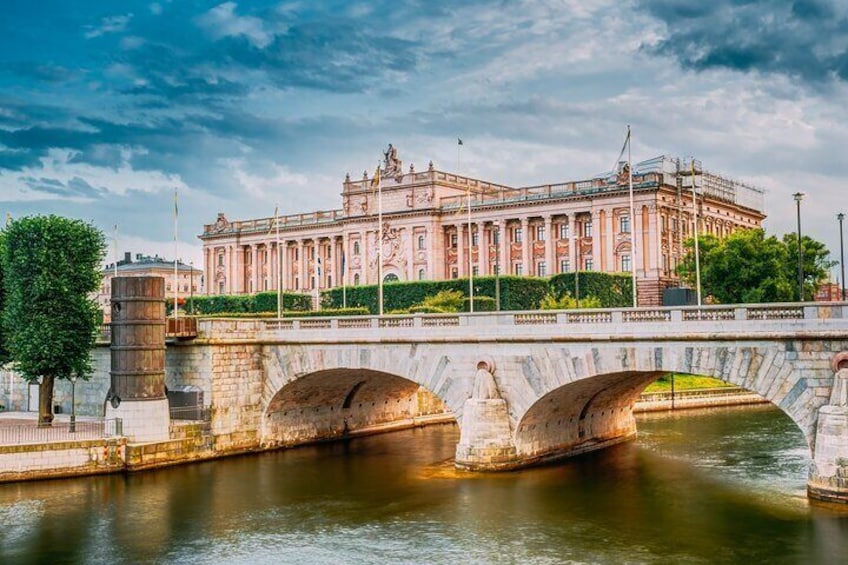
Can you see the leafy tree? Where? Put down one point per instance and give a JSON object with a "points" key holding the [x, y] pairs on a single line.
{"points": [[814, 261], [4, 353], [51, 267], [748, 267], [444, 301]]}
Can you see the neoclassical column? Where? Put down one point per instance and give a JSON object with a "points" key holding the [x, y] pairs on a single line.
{"points": [[254, 269], [482, 248], [527, 267], [460, 251], [573, 243], [597, 234], [301, 266], [239, 269], [208, 267], [609, 242], [410, 254], [503, 247], [549, 245], [344, 264]]}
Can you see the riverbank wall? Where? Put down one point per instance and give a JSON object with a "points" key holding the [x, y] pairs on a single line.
{"points": [[697, 398]]}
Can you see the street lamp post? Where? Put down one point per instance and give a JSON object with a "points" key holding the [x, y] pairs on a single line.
{"points": [[798, 197], [840, 216], [73, 427], [191, 287]]}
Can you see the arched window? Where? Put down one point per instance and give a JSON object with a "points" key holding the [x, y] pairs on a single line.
{"points": [[356, 248], [420, 242], [421, 274], [356, 279], [391, 277]]}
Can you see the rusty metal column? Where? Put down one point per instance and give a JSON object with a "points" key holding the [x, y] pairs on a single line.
{"points": [[137, 393]]}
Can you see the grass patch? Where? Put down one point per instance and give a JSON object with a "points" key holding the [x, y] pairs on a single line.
{"points": [[684, 382]]}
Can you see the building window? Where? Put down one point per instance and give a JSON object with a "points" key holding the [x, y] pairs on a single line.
{"points": [[356, 279], [221, 287], [496, 269], [519, 269], [356, 248], [420, 242], [540, 233], [624, 224], [220, 259], [589, 264], [266, 284], [563, 231], [475, 270], [496, 237], [665, 263], [587, 229], [297, 283], [625, 264], [664, 222], [517, 235], [474, 239], [541, 269], [453, 240], [564, 266], [674, 225], [329, 281], [421, 274], [454, 273]]}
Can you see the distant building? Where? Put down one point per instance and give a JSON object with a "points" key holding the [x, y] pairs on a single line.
{"points": [[829, 292], [189, 279], [532, 231]]}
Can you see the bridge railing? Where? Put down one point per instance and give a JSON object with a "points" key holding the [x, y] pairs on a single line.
{"points": [[610, 321]]}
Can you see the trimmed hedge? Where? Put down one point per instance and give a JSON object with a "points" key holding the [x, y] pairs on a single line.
{"points": [[613, 290], [481, 304], [517, 293], [330, 312], [233, 304]]}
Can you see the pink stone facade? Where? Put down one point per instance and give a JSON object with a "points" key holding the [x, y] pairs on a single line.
{"points": [[531, 231]]}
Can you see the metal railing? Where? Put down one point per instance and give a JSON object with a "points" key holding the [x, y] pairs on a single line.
{"points": [[198, 413], [28, 432]]}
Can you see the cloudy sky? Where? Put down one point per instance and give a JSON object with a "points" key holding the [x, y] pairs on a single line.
{"points": [[105, 107]]}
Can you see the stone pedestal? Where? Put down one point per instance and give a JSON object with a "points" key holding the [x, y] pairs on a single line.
{"points": [[142, 420], [829, 471], [485, 441]]}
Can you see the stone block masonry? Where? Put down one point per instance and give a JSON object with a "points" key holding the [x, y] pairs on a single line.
{"points": [[61, 459]]}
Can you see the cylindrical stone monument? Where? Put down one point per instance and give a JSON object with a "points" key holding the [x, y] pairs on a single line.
{"points": [[137, 393]]}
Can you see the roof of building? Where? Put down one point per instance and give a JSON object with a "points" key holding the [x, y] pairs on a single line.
{"points": [[145, 263]]}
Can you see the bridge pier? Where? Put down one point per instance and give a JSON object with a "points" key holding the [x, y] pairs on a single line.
{"points": [[828, 478]]}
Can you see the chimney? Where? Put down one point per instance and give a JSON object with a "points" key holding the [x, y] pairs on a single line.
{"points": [[127, 258]]}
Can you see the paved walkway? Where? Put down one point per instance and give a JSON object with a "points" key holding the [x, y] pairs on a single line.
{"points": [[22, 427]]}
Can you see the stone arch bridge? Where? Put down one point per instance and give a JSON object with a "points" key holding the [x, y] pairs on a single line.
{"points": [[523, 387]]}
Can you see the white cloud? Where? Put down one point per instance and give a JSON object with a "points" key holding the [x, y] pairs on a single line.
{"points": [[264, 186], [110, 24], [58, 167], [222, 21]]}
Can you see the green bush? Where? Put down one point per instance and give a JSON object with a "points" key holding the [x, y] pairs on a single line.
{"points": [[612, 290], [517, 293], [426, 310], [330, 312], [261, 302], [481, 304], [568, 302]]}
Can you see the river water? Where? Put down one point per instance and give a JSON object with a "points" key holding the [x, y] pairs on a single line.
{"points": [[716, 486]]}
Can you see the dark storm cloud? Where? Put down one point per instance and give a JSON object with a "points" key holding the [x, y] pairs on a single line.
{"points": [[804, 38], [76, 187]]}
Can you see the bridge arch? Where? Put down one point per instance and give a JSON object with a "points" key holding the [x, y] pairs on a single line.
{"points": [[312, 395], [592, 407]]}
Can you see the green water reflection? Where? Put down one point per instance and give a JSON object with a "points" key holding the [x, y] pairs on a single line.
{"points": [[697, 487]]}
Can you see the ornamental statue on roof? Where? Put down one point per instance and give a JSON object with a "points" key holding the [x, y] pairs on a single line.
{"points": [[392, 166]]}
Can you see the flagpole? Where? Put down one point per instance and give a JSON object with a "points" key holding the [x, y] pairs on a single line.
{"points": [[379, 241], [632, 216], [695, 231], [468, 221], [176, 280], [115, 245]]}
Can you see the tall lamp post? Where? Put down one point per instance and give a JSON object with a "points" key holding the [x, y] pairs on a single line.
{"points": [[798, 197], [497, 234], [73, 427], [840, 216]]}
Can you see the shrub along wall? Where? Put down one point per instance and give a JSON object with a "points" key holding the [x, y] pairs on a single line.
{"points": [[517, 293], [243, 303], [613, 290]]}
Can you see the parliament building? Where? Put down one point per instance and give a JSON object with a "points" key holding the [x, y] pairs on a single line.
{"points": [[428, 230]]}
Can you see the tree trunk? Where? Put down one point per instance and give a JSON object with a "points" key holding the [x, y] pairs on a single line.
{"points": [[45, 401]]}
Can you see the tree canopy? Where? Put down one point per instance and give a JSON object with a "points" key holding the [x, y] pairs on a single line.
{"points": [[750, 267], [51, 267]]}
